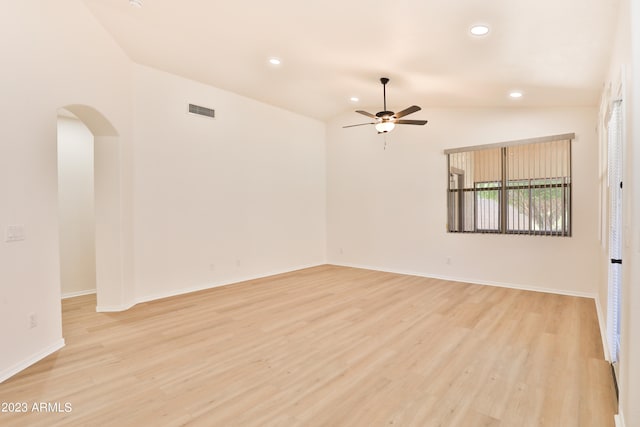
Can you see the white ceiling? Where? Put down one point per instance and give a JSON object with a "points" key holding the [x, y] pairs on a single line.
{"points": [[555, 51]]}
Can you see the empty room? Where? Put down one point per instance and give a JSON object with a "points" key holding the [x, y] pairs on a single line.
{"points": [[420, 213]]}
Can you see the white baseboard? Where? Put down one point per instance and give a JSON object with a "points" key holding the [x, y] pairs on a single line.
{"points": [[206, 286], [476, 281], [619, 420], [78, 293], [603, 329], [173, 293], [8, 373], [114, 308]]}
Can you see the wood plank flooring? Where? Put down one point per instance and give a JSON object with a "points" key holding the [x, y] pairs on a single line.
{"points": [[327, 346]]}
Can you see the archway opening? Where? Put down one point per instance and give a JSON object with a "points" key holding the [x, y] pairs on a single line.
{"points": [[76, 213], [91, 250]]}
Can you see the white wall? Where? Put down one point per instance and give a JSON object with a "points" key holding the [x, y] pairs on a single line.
{"points": [[387, 208], [225, 199], [76, 207], [53, 54]]}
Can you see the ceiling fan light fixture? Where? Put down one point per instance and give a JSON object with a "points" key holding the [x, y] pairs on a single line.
{"points": [[384, 127]]}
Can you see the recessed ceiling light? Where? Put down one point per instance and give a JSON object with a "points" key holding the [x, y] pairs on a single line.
{"points": [[479, 30], [515, 94], [354, 99], [274, 61], [136, 3]]}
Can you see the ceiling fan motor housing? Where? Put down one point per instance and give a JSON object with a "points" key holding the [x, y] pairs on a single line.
{"points": [[385, 114]]}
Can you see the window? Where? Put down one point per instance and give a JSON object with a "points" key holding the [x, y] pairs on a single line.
{"points": [[519, 187]]}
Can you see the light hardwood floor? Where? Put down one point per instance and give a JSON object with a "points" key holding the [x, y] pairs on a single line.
{"points": [[327, 346]]}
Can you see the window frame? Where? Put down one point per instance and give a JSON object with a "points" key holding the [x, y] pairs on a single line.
{"points": [[457, 194]]}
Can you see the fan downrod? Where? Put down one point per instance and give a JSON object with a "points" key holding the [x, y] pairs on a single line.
{"points": [[385, 113]]}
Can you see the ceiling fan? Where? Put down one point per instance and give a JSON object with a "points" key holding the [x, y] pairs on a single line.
{"points": [[385, 120]]}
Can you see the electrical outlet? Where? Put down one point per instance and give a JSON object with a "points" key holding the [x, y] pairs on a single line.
{"points": [[33, 320], [14, 233], [448, 260], [212, 267]]}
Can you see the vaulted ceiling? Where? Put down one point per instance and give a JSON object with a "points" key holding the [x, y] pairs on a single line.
{"points": [[554, 51]]}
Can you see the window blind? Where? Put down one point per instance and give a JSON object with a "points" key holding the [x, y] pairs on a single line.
{"points": [[517, 187], [614, 148]]}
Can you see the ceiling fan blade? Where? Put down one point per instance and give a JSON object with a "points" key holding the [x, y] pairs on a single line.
{"points": [[361, 124], [407, 111], [366, 114], [410, 122]]}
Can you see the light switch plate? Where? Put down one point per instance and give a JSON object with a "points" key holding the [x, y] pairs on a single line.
{"points": [[14, 233]]}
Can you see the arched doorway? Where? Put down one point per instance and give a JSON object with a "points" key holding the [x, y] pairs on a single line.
{"points": [[108, 207], [76, 213]]}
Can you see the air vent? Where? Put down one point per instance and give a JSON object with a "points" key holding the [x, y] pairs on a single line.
{"points": [[202, 111]]}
